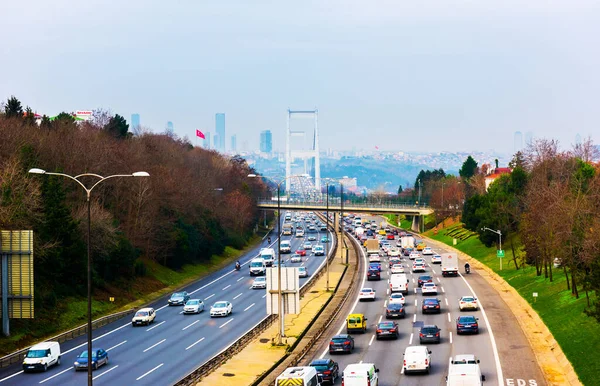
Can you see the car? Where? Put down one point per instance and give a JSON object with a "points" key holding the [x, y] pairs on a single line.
{"points": [[468, 303], [366, 294], [221, 308], [302, 272], [396, 297], [418, 267], [318, 250], [394, 260], [387, 330], [397, 268], [467, 324], [429, 288], [429, 333], [436, 259], [381, 232], [375, 265], [276, 263], [374, 258], [431, 305], [307, 246], [179, 298], [399, 243], [99, 358], [327, 369], [393, 252], [407, 251], [427, 251], [323, 228], [420, 260], [414, 255], [341, 343], [421, 246], [311, 238], [143, 316], [395, 310], [389, 236], [417, 358], [373, 274], [259, 283], [194, 306], [295, 258], [324, 239], [424, 279], [395, 232], [301, 251]]}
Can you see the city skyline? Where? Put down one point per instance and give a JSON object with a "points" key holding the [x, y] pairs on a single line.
{"points": [[220, 132]]}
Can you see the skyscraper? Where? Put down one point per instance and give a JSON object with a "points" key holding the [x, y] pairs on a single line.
{"points": [[207, 140], [169, 129], [135, 121], [220, 132], [518, 141], [233, 148], [578, 139], [266, 143], [528, 138]]}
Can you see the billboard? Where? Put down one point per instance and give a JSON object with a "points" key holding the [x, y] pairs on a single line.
{"points": [[17, 274], [290, 288]]}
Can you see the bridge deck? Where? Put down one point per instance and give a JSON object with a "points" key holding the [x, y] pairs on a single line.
{"points": [[413, 210]]}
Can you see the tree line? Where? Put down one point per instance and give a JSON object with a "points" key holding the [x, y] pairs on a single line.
{"points": [[194, 204]]}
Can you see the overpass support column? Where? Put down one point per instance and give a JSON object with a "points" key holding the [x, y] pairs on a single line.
{"points": [[416, 224]]}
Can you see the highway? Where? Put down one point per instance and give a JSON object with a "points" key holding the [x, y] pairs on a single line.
{"points": [[388, 354], [174, 344]]}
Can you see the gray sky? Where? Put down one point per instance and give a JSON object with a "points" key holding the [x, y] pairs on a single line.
{"points": [[461, 75]]}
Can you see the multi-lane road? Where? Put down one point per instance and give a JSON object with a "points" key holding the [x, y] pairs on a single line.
{"points": [[388, 354], [174, 344]]}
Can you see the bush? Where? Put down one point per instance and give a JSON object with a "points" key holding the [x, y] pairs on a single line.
{"points": [[140, 268]]}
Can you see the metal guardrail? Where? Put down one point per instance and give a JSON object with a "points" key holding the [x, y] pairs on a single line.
{"points": [[224, 355], [17, 356]]}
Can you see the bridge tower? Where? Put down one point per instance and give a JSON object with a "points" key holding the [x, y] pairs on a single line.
{"points": [[306, 155]]}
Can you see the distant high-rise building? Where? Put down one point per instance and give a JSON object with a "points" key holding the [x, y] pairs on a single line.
{"points": [[220, 132], [233, 144], [578, 139], [266, 142], [207, 140], [518, 146], [135, 121], [169, 129], [528, 138]]}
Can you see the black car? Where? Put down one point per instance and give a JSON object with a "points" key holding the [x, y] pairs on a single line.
{"points": [[395, 232], [373, 274], [179, 299], [328, 370], [387, 330], [431, 305], [429, 334], [395, 310], [394, 260], [341, 343], [424, 279], [467, 324]]}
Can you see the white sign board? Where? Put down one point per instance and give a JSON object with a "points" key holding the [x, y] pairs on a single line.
{"points": [[290, 287]]}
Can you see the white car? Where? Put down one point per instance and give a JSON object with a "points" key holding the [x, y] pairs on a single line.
{"points": [[414, 255], [417, 358], [259, 282], [468, 303], [428, 289], [366, 294], [394, 252], [296, 258], [143, 316], [374, 258], [420, 260], [399, 243], [302, 272], [418, 267], [193, 306], [312, 238], [397, 297], [221, 308], [436, 259], [397, 268], [427, 251], [318, 250]]}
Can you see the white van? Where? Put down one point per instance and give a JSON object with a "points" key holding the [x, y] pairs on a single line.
{"points": [[299, 232], [357, 221], [301, 376], [257, 267], [399, 283], [285, 246], [360, 374], [268, 255], [417, 358], [41, 356], [464, 370]]}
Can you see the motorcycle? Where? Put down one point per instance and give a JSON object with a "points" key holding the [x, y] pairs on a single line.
{"points": [[237, 266], [467, 269]]}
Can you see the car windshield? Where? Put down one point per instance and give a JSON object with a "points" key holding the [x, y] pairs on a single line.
{"points": [[193, 302], [467, 319], [141, 313], [339, 340], [256, 264], [177, 295], [301, 269], [36, 353], [85, 354], [220, 305], [465, 299], [425, 278], [395, 306], [367, 290], [320, 367], [429, 330], [397, 296], [258, 279]]}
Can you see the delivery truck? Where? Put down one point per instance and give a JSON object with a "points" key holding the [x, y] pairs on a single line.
{"points": [[449, 264], [372, 246]]}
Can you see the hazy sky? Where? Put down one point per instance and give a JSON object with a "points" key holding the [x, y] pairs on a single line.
{"points": [[438, 75]]}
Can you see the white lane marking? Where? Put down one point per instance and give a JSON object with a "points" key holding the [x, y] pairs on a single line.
{"points": [[56, 375], [411, 338], [449, 319], [415, 290], [226, 287], [438, 279], [240, 279], [416, 302], [14, 375], [189, 325], [226, 323], [360, 362], [208, 297], [237, 296], [492, 339], [387, 292], [450, 335], [109, 370], [143, 375], [414, 318], [264, 296], [153, 327], [443, 289], [413, 279], [250, 306], [181, 312], [385, 304], [446, 299], [380, 317], [117, 345], [371, 341], [195, 343], [158, 309], [250, 287], [154, 345]]}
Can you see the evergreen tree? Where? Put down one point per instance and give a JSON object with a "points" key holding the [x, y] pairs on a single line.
{"points": [[400, 189], [46, 122], [29, 117], [13, 108], [117, 126], [468, 169]]}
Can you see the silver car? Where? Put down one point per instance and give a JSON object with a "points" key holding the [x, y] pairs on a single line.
{"points": [[193, 306], [302, 272], [259, 282]]}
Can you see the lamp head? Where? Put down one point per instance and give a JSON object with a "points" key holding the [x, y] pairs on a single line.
{"points": [[252, 175], [37, 171], [140, 174]]}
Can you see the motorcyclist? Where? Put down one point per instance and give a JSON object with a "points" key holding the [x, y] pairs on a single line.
{"points": [[467, 267], [237, 265], [269, 240]]}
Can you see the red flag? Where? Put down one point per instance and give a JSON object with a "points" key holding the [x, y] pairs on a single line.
{"points": [[200, 134]]}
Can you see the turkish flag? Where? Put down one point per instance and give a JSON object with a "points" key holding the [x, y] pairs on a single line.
{"points": [[200, 134]]}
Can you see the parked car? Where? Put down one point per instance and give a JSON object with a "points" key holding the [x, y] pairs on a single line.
{"points": [[328, 370], [395, 310], [99, 358], [429, 334], [193, 306], [467, 324], [341, 343], [143, 316], [468, 303], [387, 330], [179, 298], [431, 305]]}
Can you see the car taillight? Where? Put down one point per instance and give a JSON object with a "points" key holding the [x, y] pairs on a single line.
{"points": [[327, 372], [437, 334], [331, 343], [421, 335], [438, 306], [405, 363], [462, 302], [378, 331], [346, 343], [426, 361]]}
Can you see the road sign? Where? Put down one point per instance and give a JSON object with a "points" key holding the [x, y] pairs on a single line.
{"points": [[500, 253]]}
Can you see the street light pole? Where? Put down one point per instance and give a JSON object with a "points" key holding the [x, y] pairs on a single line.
{"points": [[279, 292], [327, 235], [89, 249], [499, 233]]}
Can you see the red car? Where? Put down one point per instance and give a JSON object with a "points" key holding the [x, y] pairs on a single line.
{"points": [[390, 236], [301, 251]]}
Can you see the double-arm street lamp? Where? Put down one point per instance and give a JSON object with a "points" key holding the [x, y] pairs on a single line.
{"points": [[499, 233], [88, 192]]}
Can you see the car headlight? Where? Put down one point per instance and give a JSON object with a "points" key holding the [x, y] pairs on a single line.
{"points": [[76, 363]]}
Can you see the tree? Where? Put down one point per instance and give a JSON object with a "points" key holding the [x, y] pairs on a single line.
{"points": [[117, 126], [400, 189], [518, 160], [63, 119], [13, 108], [46, 122], [29, 117], [468, 169]]}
